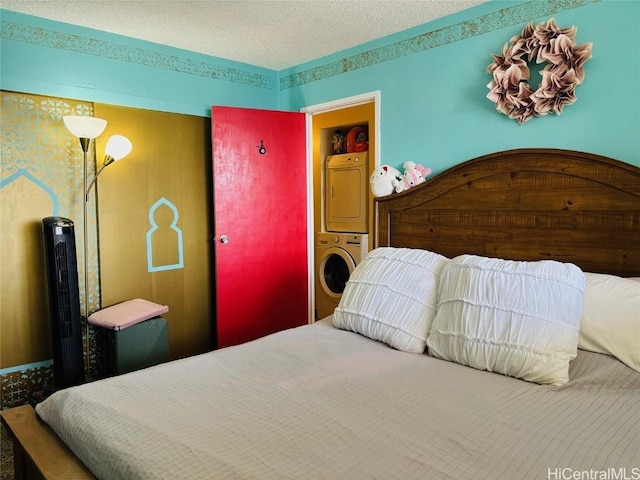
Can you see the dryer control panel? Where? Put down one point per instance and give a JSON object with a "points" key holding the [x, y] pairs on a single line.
{"points": [[347, 160]]}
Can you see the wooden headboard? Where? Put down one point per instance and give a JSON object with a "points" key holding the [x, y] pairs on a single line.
{"points": [[525, 204]]}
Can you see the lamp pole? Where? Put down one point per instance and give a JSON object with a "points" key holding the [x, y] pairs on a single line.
{"points": [[84, 142], [86, 128]]}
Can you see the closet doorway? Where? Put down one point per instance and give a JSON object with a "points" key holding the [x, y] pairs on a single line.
{"points": [[362, 110]]}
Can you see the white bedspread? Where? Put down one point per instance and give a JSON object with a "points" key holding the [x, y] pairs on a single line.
{"points": [[320, 403]]}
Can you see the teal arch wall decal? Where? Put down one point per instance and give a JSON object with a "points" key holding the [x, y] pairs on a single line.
{"points": [[24, 173], [154, 226]]}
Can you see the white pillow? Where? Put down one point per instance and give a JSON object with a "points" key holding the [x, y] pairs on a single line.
{"points": [[391, 297], [610, 321], [515, 318]]}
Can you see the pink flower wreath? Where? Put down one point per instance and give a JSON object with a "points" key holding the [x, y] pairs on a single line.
{"points": [[510, 90]]}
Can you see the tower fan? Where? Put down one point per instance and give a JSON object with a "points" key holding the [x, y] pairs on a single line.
{"points": [[64, 301]]}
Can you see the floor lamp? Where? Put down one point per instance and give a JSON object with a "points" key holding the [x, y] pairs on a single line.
{"points": [[86, 129]]}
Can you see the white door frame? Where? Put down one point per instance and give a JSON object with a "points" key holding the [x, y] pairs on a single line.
{"points": [[310, 111]]}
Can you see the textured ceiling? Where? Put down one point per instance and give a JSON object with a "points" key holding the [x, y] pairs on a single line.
{"points": [[274, 34]]}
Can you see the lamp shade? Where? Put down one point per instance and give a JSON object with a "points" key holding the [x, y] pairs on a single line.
{"points": [[118, 147], [84, 127]]}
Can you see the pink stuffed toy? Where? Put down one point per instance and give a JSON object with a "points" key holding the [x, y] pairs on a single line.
{"points": [[400, 184], [415, 174]]}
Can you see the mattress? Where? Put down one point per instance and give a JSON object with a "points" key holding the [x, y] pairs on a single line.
{"points": [[316, 402]]}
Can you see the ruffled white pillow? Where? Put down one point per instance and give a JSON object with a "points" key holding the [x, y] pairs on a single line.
{"points": [[391, 297], [515, 318]]}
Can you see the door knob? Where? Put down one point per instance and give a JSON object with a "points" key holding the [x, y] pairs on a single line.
{"points": [[224, 239]]}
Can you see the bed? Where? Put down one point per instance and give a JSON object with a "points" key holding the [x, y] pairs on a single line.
{"points": [[348, 398]]}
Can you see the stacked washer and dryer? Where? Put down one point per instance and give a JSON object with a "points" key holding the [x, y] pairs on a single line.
{"points": [[345, 242]]}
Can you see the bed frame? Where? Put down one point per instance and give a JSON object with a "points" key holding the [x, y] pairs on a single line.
{"points": [[526, 204]]}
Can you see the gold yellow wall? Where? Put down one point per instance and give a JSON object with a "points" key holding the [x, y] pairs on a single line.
{"points": [[41, 175], [170, 163], [41, 164]]}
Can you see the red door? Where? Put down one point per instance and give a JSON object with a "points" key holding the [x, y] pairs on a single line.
{"points": [[260, 222]]}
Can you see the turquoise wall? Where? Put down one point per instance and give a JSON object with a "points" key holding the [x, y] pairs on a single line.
{"points": [[432, 79], [57, 59], [433, 84]]}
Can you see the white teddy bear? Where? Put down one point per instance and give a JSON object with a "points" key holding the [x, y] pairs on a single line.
{"points": [[386, 179], [383, 180]]}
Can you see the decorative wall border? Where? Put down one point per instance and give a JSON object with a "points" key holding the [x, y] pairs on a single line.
{"points": [[20, 385], [506, 17], [92, 46], [497, 20]]}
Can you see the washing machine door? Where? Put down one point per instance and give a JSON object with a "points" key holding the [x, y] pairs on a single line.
{"points": [[334, 270]]}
